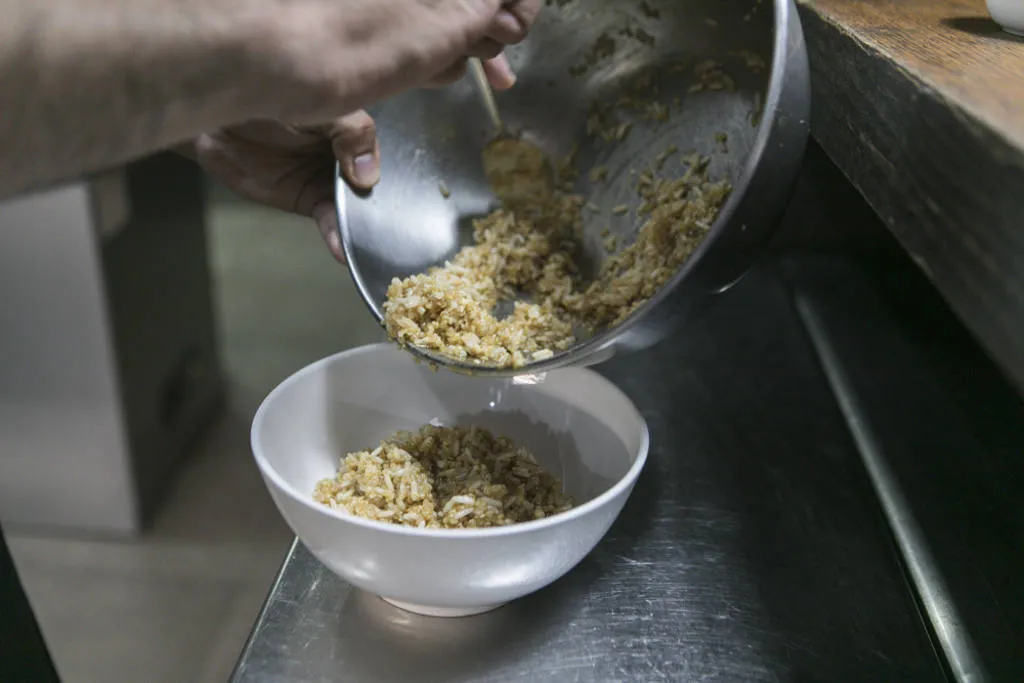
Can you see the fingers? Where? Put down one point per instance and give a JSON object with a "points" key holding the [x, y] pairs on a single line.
{"points": [[509, 27], [513, 21], [499, 73], [327, 223], [506, 28], [354, 142]]}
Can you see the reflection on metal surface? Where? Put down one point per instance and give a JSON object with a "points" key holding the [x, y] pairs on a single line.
{"points": [[529, 378], [931, 586]]}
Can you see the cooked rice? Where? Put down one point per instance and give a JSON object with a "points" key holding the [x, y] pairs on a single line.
{"points": [[450, 309], [524, 252], [444, 477]]}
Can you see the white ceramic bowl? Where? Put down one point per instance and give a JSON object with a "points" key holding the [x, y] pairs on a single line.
{"points": [[1009, 14], [577, 424]]}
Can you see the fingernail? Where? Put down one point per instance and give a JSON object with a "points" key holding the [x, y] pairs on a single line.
{"points": [[366, 170], [501, 73]]}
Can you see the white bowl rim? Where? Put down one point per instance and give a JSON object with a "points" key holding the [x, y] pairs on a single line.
{"points": [[624, 482]]}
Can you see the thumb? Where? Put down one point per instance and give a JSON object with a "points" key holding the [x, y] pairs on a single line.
{"points": [[354, 142], [327, 222]]}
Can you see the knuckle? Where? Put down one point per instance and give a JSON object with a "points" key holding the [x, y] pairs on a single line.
{"points": [[355, 130], [527, 11], [361, 124]]}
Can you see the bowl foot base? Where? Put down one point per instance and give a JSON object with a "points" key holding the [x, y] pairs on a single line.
{"points": [[429, 611]]}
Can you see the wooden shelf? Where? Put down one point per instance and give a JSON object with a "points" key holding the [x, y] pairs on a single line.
{"points": [[921, 104]]}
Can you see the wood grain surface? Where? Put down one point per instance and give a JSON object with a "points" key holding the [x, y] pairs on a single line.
{"points": [[921, 104], [952, 46]]}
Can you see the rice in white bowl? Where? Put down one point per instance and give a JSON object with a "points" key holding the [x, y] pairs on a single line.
{"points": [[444, 477]]}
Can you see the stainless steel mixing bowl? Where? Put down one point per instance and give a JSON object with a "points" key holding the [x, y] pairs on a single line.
{"points": [[431, 138]]}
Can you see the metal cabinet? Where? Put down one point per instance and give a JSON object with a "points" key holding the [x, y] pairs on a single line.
{"points": [[108, 361]]}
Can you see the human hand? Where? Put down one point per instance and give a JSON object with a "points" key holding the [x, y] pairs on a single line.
{"points": [[291, 168], [316, 59]]}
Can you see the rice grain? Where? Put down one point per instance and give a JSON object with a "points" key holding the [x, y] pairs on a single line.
{"points": [[444, 477]]}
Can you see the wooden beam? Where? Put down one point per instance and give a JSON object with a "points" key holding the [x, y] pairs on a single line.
{"points": [[921, 104]]}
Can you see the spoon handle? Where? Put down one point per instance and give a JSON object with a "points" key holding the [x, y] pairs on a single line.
{"points": [[486, 94]]}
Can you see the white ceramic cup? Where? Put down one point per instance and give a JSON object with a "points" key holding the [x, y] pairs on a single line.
{"points": [[577, 424], [1009, 14]]}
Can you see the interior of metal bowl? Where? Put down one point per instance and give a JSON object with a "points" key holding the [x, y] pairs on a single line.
{"points": [[579, 52]]}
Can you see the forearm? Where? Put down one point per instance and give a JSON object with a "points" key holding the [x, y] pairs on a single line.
{"points": [[86, 84]]}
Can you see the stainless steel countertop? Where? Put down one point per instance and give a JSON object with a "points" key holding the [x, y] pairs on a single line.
{"points": [[753, 548]]}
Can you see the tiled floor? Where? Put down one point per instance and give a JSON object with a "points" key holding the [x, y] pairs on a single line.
{"points": [[177, 605]]}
